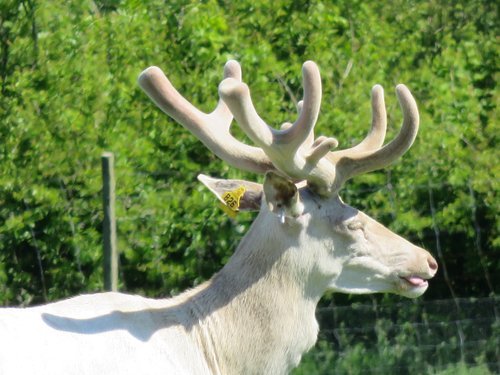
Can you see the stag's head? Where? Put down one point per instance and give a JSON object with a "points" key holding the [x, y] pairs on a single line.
{"points": [[345, 250]]}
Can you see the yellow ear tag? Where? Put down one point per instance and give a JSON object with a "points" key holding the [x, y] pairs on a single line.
{"points": [[232, 201]]}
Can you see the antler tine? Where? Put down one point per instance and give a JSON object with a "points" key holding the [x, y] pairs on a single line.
{"points": [[237, 97], [376, 136], [212, 129], [232, 69], [354, 163], [309, 107]]}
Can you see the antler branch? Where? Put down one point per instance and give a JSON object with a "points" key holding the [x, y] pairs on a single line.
{"points": [[356, 161], [213, 128], [287, 148]]}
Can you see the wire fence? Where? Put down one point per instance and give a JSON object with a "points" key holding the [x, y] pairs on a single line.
{"points": [[412, 337]]}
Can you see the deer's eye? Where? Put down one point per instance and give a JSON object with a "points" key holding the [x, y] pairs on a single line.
{"points": [[355, 225]]}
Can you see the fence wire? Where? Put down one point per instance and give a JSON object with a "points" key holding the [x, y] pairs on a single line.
{"points": [[412, 337]]}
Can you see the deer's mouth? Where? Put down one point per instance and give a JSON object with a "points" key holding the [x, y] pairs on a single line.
{"points": [[414, 281]]}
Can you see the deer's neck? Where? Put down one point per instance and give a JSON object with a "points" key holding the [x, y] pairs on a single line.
{"points": [[262, 313]]}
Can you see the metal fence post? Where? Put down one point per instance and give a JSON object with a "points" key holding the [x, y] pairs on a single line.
{"points": [[109, 224]]}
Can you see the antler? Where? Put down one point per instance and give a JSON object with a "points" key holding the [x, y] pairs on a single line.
{"points": [[213, 128], [282, 146], [291, 150], [358, 160]]}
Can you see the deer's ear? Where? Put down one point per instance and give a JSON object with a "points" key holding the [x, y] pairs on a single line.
{"points": [[282, 196], [238, 195]]}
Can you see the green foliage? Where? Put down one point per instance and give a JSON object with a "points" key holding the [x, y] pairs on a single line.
{"points": [[434, 337], [68, 92]]}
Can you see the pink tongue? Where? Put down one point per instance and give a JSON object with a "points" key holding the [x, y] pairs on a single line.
{"points": [[414, 280]]}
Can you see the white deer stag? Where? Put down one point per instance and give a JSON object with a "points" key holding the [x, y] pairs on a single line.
{"points": [[257, 315]]}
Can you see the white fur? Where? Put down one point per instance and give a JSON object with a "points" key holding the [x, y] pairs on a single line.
{"points": [[256, 316]]}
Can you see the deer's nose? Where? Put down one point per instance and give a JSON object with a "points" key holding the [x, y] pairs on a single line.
{"points": [[433, 266]]}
